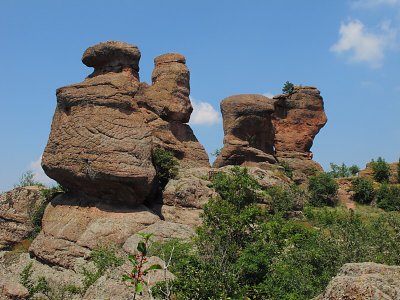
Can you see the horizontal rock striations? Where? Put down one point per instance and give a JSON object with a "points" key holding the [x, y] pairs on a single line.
{"points": [[105, 128]]}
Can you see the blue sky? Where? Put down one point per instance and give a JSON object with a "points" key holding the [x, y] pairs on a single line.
{"points": [[349, 49]]}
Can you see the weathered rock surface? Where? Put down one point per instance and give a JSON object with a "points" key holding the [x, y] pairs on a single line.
{"points": [[72, 227], [104, 129], [297, 119], [16, 210], [367, 281], [248, 130], [369, 173]]}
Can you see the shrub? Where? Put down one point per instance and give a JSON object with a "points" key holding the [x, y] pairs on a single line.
{"points": [[216, 152], [364, 191], [323, 189], [287, 169], [28, 179], [288, 88], [103, 257], [165, 164], [388, 197], [343, 171], [398, 171], [381, 170], [284, 199]]}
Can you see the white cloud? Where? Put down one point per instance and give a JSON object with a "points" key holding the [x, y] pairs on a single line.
{"points": [[39, 175], [268, 95], [374, 3], [364, 46], [203, 114]]}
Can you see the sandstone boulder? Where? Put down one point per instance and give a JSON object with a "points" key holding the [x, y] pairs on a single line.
{"points": [[367, 281], [74, 226], [248, 130], [105, 128], [17, 208], [297, 119]]}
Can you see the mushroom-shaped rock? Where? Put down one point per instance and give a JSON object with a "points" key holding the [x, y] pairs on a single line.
{"points": [[103, 133], [112, 55], [248, 130], [168, 96]]}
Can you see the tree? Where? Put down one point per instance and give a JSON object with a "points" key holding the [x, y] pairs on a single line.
{"points": [[288, 88], [381, 170]]}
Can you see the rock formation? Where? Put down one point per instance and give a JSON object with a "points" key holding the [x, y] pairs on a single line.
{"points": [[104, 128], [248, 130], [369, 173], [367, 281], [261, 131], [17, 209]]}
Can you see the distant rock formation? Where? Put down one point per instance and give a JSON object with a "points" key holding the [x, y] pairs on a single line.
{"points": [[248, 130], [262, 131], [105, 128], [367, 281]]}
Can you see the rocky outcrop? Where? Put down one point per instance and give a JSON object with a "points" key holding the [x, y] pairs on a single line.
{"points": [[17, 208], [367, 281], [260, 131], [369, 173], [248, 130], [105, 128]]}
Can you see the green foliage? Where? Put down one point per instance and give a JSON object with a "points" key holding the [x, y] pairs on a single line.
{"points": [[28, 179], [139, 268], [287, 169], [288, 88], [364, 191], [398, 171], [25, 278], [216, 152], [381, 170], [323, 189], [284, 199], [388, 197], [165, 164], [238, 187], [104, 258], [343, 171]]}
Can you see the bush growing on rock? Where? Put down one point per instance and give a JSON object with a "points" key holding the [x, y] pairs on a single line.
{"points": [[388, 197], [165, 164], [381, 170], [364, 191], [323, 190], [28, 179], [288, 88]]}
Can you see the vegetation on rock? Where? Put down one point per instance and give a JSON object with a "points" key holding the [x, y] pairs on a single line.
{"points": [[340, 171], [165, 164], [388, 197], [323, 190], [364, 191], [381, 170], [288, 88]]}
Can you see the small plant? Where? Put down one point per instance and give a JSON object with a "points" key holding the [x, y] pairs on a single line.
{"points": [[398, 171], [287, 169], [216, 152], [28, 179], [288, 88], [323, 189], [103, 258], [165, 164], [388, 197], [363, 190], [381, 170], [139, 270], [25, 278]]}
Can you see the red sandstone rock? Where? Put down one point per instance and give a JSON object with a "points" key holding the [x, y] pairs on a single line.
{"points": [[104, 129]]}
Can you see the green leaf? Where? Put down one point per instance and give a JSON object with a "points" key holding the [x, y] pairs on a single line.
{"points": [[142, 247], [154, 267], [139, 288]]}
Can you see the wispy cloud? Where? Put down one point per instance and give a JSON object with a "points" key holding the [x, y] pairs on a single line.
{"points": [[204, 114], [363, 45], [39, 175], [374, 3]]}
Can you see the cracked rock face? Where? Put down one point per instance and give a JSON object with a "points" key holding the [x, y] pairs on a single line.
{"points": [[104, 128]]}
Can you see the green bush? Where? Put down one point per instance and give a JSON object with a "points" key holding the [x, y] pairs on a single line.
{"points": [[364, 191], [28, 179], [398, 171], [381, 170], [343, 171], [165, 164], [388, 197], [288, 88], [323, 190], [284, 199], [287, 169]]}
